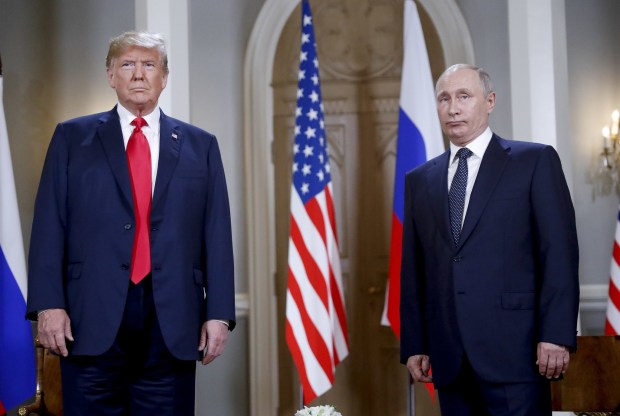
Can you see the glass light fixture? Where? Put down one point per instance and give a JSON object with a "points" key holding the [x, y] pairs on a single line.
{"points": [[609, 160]]}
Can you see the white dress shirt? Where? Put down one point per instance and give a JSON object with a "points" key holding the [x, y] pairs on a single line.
{"points": [[478, 146], [151, 132]]}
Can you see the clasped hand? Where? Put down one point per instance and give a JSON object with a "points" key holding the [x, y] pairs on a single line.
{"points": [[419, 366]]}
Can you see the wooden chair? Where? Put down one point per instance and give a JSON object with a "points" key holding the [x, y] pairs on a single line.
{"points": [[48, 398], [591, 386]]}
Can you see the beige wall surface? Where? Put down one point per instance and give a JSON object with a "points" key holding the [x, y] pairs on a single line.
{"points": [[53, 57]]}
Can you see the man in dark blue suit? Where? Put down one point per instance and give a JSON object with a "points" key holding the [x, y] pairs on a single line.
{"points": [[131, 265], [490, 290]]}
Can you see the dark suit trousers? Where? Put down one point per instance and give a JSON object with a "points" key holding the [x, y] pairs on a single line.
{"points": [[471, 396], [137, 376]]}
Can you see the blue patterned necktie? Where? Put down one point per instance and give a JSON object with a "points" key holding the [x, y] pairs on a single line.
{"points": [[457, 194]]}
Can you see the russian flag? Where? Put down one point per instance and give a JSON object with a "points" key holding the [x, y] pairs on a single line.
{"points": [[419, 139], [17, 364]]}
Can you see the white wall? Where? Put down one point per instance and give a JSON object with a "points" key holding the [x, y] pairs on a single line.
{"points": [[218, 36], [593, 35], [594, 91], [488, 25], [219, 32]]}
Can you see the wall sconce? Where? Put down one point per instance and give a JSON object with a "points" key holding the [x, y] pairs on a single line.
{"points": [[609, 160]]}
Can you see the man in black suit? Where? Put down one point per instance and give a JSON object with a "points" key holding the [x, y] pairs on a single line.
{"points": [[131, 265], [490, 289]]}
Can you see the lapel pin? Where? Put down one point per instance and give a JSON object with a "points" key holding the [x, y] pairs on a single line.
{"points": [[174, 137]]}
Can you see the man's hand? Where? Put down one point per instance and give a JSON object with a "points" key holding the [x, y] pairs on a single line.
{"points": [[213, 337], [54, 326], [552, 359], [419, 366]]}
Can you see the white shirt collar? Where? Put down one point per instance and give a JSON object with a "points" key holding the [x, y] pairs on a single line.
{"points": [[126, 116], [478, 146]]}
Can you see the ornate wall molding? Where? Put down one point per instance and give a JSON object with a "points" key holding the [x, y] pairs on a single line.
{"points": [[386, 144], [369, 48], [385, 105]]}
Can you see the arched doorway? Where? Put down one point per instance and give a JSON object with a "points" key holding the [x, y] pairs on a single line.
{"points": [[361, 100]]}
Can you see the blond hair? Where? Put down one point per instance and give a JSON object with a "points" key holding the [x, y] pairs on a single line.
{"points": [[144, 40]]}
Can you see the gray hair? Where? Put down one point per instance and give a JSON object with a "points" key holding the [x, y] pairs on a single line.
{"points": [[485, 78], [144, 40]]}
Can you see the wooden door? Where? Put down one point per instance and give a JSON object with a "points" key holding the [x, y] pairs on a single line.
{"points": [[360, 56]]}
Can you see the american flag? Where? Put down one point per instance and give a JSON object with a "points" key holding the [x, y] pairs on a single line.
{"points": [[612, 321], [316, 330]]}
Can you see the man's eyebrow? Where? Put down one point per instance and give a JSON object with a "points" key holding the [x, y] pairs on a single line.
{"points": [[458, 91]]}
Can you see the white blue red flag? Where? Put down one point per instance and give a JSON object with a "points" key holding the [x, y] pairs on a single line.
{"points": [[17, 368], [419, 139], [316, 330], [612, 320]]}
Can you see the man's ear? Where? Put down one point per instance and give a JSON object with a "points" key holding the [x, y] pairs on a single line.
{"points": [[490, 102], [110, 77]]}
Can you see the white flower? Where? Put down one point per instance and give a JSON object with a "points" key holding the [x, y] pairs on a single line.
{"points": [[326, 410]]}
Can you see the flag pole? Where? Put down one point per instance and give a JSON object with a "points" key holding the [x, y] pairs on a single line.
{"points": [[410, 395], [301, 396]]}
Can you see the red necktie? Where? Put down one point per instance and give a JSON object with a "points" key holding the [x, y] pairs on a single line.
{"points": [[139, 158]]}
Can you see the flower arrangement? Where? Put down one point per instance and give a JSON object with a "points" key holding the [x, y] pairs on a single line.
{"points": [[326, 410]]}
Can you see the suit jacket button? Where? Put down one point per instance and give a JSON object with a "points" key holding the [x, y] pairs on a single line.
{"points": [[128, 226], [456, 259], [124, 267]]}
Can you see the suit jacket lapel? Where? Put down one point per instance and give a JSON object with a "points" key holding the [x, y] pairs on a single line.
{"points": [[111, 137], [170, 139], [437, 186], [491, 168]]}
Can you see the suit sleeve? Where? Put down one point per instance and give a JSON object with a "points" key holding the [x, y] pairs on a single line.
{"points": [[557, 252], [412, 322], [220, 291], [46, 260]]}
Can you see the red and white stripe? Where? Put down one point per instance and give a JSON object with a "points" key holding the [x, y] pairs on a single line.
{"points": [[612, 321], [316, 331]]}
